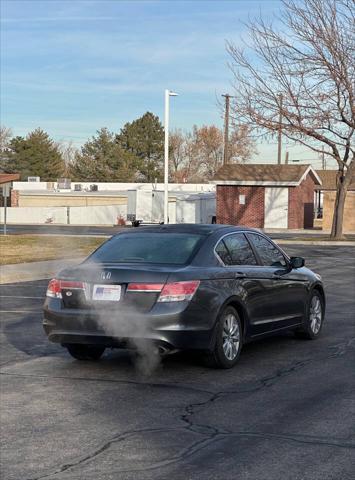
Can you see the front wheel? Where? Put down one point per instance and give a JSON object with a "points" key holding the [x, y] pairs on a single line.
{"points": [[228, 342], [85, 352], [315, 317]]}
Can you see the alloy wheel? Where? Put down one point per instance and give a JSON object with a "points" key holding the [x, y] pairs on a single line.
{"points": [[231, 336], [315, 314]]}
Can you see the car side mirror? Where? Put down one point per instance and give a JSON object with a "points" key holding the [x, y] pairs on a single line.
{"points": [[297, 262]]}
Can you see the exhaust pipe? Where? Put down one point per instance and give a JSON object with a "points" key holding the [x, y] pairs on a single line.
{"points": [[162, 351]]}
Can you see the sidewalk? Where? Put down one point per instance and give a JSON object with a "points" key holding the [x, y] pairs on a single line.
{"points": [[25, 272]]}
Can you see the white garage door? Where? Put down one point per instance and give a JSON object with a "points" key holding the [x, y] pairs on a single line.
{"points": [[276, 207]]}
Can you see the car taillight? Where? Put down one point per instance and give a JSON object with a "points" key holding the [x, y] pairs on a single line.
{"points": [[55, 287], [178, 291], [145, 287]]}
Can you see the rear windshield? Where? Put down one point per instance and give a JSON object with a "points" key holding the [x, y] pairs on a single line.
{"points": [[163, 248]]}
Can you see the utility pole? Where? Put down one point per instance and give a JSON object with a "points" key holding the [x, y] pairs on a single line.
{"points": [[226, 128], [323, 160], [280, 130]]}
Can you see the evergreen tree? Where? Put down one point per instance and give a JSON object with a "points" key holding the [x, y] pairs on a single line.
{"points": [[101, 159], [144, 138], [35, 155]]}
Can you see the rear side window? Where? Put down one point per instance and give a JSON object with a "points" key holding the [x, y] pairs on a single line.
{"points": [[238, 250], [270, 256], [223, 253], [157, 248]]}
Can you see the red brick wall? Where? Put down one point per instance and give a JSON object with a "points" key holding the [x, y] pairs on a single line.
{"points": [[300, 204], [229, 211], [14, 198]]}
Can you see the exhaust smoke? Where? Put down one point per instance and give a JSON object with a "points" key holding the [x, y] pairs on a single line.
{"points": [[128, 323]]}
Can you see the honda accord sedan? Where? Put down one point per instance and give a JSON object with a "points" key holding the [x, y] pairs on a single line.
{"points": [[209, 288]]}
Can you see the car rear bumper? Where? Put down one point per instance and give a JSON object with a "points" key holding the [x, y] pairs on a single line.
{"points": [[174, 328]]}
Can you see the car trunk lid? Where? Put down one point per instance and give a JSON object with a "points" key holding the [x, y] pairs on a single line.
{"points": [[107, 285]]}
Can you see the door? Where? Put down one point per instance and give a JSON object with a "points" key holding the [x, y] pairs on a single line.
{"points": [[157, 206], [285, 289], [247, 283], [276, 208]]}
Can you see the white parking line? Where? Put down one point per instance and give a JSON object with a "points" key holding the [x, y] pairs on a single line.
{"points": [[17, 285], [20, 296], [20, 311]]}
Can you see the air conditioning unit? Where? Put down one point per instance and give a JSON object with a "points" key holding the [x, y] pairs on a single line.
{"points": [[77, 187], [64, 183], [33, 179], [94, 188]]}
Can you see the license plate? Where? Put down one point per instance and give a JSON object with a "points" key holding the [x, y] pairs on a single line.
{"points": [[108, 293]]}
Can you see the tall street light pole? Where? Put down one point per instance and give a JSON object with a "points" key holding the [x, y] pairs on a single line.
{"points": [[168, 94]]}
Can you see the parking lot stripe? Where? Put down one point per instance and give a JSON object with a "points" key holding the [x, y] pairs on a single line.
{"points": [[20, 311], [19, 296]]}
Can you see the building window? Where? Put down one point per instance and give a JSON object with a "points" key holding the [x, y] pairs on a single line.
{"points": [[241, 199]]}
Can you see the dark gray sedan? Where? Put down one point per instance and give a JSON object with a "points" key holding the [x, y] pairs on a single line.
{"points": [[210, 288]]}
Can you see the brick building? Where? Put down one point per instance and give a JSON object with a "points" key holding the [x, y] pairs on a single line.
{"points": [[266, 196], [6, 180]]}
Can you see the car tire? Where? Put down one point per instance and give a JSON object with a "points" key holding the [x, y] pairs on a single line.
{"points": [[228, 340], [315, 317], [85, 352]]}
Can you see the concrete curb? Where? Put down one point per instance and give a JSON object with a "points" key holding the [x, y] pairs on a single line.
{"points": [[305, 242]]}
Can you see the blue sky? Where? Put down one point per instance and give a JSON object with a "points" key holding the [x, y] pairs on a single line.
{"points": [[74, 66]]}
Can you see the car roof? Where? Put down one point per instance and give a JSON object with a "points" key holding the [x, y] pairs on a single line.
{"points": [[198, 229]]}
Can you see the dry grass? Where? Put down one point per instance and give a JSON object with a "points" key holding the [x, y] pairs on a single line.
{"points": [[33, 248]]}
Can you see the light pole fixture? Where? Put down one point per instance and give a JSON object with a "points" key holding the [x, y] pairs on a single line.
{"points": [[168, 94]]}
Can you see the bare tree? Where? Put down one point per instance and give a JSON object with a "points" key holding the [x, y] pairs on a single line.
{"points": [[309, 60], [209, 140], [177, 151], [5, 138], [197, 155], [69, 152], [241, 145]]}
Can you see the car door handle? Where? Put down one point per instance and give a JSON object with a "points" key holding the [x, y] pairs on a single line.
{"points": [[240, 275]]}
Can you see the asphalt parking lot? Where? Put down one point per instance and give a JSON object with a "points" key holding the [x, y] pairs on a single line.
{"points": [[286, 411]]}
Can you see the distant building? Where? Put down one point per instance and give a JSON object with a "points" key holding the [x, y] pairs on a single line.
{"points": [[6, 180], [266, 196], [325, 198]]}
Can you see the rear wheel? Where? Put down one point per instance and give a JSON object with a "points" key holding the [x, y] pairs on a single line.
{"points": [[228, 340], [315, 317], [85, 352]]}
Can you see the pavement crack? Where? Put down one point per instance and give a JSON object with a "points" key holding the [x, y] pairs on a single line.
{"points": [[175, 386], [210, 434], [117, 438]]}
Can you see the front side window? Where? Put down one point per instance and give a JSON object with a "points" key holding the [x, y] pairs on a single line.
{"points": [[156, 248], [239, 250], [270, 256]]}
